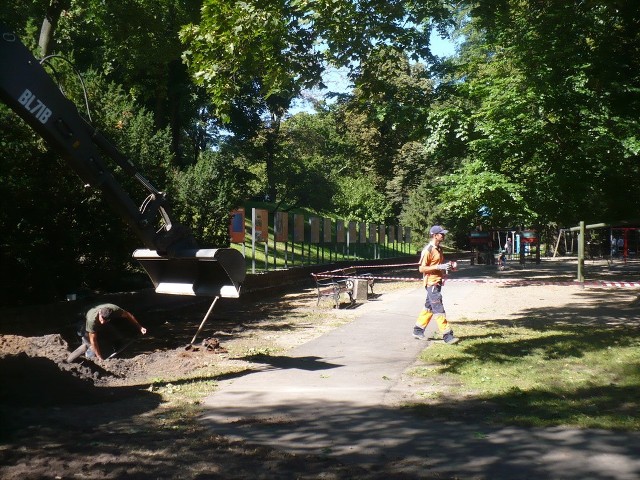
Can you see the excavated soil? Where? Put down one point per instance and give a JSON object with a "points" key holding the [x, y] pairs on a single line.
{"points": [[119, 418]]}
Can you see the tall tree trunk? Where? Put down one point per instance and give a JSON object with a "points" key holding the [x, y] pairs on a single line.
{"points": [[54, 10], [271, 148]]}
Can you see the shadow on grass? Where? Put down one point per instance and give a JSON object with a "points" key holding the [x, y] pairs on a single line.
{"points": [[597, 321], [593, 323], [607, 407], [566, 342]]}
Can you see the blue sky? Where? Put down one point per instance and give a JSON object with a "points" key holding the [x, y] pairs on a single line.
{"points": [[442, 47], [336, 79]]}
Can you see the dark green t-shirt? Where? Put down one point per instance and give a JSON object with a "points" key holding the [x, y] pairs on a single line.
{"points": [[92, 316]]}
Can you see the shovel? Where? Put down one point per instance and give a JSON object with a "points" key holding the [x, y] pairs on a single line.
{"points": [[123, 348]]}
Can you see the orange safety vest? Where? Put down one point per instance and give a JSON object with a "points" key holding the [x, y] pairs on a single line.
{"points": [[431, 255]]}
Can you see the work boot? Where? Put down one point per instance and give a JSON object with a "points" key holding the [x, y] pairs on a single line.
{"points": [[449, 338], [418, 332]]}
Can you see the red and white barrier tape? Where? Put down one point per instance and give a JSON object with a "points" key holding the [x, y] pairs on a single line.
{"points": [[563, 283], [599, 283]]}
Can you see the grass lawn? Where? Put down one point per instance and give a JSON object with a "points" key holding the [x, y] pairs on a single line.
{"points": [[535, 375]]}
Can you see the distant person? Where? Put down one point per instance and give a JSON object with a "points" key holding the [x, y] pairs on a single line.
{"points": [[433, 269], [620, 244], [508, 247], [502, 260], [100, 334]]}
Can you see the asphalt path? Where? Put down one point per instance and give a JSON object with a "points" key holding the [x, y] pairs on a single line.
{"points": [[339, 395]]}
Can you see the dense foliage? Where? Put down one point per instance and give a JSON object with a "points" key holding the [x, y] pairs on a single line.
{"points": [[553, 88], [533, 122]]}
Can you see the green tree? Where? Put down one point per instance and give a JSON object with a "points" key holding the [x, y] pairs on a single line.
{"points": [[313, 155], [359, 198], [533, 119], [255, 57], [552, 87], [205, 194], [135, 44], [387, 117], [422, 210]]}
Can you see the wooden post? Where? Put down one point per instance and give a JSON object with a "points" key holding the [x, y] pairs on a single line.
{"points": [[581, 237], [560, 233]]}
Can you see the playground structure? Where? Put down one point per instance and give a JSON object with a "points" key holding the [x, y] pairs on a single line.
{"points": [[627, 242], [600, 243], [485, 245]]}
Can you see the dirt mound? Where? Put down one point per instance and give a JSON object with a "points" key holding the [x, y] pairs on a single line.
{"points": [[34, 373], [29, 381], [34, 370]]}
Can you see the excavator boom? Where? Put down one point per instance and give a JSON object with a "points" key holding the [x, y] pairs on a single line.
{"points": [[171, 258]]}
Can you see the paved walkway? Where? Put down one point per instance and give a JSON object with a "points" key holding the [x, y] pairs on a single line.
{"points": [[335, 396]]}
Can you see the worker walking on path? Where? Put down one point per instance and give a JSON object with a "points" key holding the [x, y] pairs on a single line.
{"points": [[433, 269]]}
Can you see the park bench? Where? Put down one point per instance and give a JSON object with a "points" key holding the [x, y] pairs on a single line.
{"points": [[336, 282]]}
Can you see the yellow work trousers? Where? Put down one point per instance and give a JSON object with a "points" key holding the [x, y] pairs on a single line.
{"points": [[433, 307], [427, 315]]}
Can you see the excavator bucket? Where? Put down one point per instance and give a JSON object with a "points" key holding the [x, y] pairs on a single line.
{"points": [[203, 272]]}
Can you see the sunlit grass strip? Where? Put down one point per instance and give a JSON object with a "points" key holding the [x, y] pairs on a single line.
{"points": [[572, 375], [306, 254]]}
